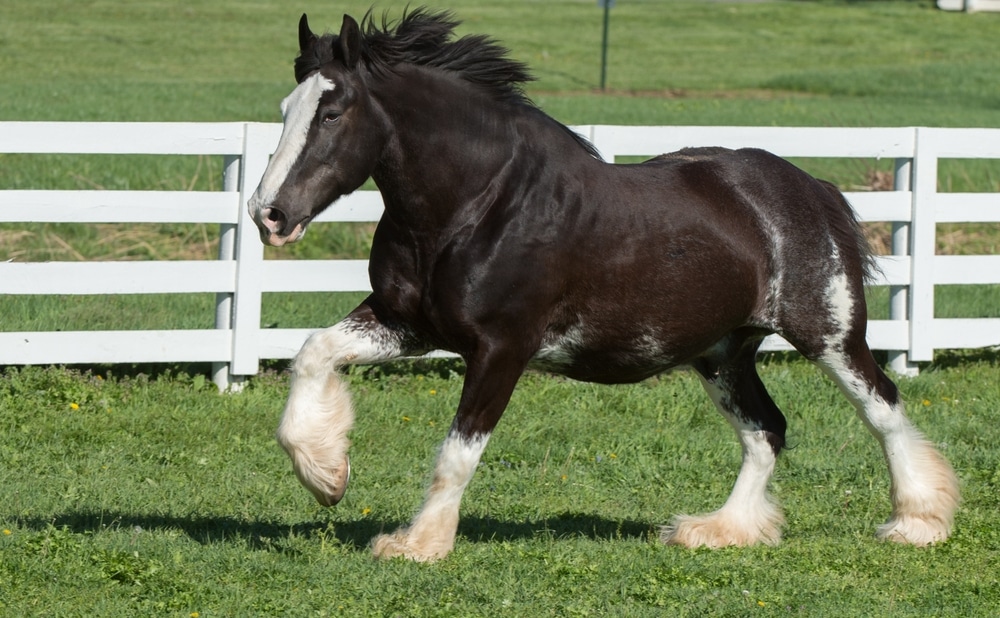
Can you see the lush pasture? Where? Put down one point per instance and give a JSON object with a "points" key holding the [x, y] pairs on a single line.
{"points": [[142, 491], [142, 495]]}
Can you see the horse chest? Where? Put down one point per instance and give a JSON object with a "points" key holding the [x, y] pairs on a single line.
{"points": [[404, 282]]}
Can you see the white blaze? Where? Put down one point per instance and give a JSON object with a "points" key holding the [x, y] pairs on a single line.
{"points": [[298, 110]]}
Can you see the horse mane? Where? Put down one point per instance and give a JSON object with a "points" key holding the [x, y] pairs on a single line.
{"points": [[425, 38]]}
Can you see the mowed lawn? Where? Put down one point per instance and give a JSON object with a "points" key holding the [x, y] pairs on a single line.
{"points": [[142, 491], [151, 494]]}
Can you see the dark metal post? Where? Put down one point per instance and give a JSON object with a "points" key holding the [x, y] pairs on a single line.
{"points": [[604, 40]]}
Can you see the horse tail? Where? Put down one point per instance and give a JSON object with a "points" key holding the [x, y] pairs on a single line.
{"points": [[849, 234]]}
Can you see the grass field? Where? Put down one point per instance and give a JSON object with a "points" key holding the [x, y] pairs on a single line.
{"points": [[154, 495], [771, 63], [142, 491]]}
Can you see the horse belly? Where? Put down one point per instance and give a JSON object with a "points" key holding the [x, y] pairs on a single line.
{"points": [[627, 336], [629, 359]]}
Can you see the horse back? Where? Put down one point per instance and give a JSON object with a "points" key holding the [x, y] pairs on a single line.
{"points": [[675, 253]]}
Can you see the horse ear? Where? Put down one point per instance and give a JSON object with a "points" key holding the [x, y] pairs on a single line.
{"points": [[350, 41], [306, 37]]}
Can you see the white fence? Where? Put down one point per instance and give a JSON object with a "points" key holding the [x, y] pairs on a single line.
{"points": [[241, 274]]}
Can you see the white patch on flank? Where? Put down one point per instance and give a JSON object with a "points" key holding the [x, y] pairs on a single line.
{"points": [[431, 535], [559, 351], [648, 347], [840, 302], [298, 110], [776, 285]]}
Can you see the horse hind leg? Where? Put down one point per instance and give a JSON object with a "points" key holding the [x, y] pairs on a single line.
{"points": [[319, 414], [924, 489], [749, 515]]}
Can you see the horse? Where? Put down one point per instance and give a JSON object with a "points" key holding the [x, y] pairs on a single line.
{"points": [[507, 240]]}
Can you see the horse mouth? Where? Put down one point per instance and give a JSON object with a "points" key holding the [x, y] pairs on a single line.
{"points": [[273, 224], [276, 240]]}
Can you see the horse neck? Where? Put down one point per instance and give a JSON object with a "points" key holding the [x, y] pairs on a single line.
{"points": [[450, 141]]}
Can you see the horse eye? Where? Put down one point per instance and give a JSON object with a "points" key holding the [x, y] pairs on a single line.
{"points": [[330, 117]]}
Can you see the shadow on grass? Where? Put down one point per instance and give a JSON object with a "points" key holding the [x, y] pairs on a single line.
{"points": [[952, 359], [274, 536]]}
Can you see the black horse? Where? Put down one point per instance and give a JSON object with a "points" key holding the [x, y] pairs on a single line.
{"points": [[507, 240]]}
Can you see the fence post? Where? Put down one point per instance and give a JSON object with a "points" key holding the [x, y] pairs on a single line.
{"points": [[899, 302], [227, 252], [249, 256], [923, 236]]}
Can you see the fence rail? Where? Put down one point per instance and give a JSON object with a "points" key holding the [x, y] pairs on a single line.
{"points": [[241, 275]]}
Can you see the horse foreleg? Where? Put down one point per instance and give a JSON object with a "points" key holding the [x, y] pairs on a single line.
{"points": [[749, 515], [431, 535], [319, 413], [485, 394]]}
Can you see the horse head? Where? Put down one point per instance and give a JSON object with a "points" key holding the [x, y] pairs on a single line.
{"points": [[329, 142]]}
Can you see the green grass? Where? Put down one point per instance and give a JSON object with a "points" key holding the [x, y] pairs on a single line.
{"points": [[771, 63], [135, 494]]}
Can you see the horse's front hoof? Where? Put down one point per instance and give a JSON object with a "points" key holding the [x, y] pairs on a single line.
{"points": [[333, 486]]}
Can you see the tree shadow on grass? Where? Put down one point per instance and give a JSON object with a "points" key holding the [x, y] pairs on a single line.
{"points": [[275, 536]]}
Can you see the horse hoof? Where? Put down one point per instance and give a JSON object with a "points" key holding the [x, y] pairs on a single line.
{"points": [[916, 531], [724, 529], [340, 481], [401, 545]]}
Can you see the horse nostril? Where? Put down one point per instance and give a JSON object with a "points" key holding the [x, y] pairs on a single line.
{"points": [[273, 214], [274, 219]]}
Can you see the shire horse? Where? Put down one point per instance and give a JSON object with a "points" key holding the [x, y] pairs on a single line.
{"points": [[507, 240]]}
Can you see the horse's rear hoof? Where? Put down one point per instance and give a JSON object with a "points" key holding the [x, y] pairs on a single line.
{"points": [[725, 528], [340, 480], [404, 544], [914, 530]]}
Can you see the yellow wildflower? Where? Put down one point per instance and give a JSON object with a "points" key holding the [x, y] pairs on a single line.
{"points": [[6, 532], [74, 406]]}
